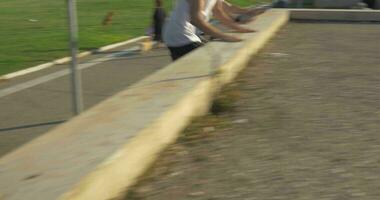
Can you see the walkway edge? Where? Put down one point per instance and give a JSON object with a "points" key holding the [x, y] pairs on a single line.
{"points": [[68, 59], [339, 15]]}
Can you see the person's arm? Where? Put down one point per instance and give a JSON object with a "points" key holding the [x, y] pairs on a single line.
{"points": [[226, 20], [198, 20]]}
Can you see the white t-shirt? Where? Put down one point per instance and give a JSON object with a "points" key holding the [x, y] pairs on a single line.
{"points": [[178, 31]]}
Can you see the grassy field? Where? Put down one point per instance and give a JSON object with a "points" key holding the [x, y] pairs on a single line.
{"points": [[35, 31]]}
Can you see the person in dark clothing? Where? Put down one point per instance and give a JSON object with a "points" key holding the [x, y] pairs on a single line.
{"points": [[158, 21]]}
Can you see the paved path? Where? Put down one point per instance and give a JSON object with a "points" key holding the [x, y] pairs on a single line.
{"points": [[34, 103], [305, 125]]}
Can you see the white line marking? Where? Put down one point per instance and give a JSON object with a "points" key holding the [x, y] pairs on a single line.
{"points": [[68, 59], [61, 73], [112, 46], [27, 71]]}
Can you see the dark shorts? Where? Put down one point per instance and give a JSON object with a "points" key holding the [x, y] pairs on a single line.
{"points": [[177, 52]]}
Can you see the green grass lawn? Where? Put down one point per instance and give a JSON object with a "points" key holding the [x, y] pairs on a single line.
{"points": [[35, 31]]}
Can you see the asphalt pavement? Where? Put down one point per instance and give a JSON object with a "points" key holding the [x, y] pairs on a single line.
{"points": [[33, 104]]}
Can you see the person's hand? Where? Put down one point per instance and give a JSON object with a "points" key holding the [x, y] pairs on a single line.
{"points": [[231, 38]]}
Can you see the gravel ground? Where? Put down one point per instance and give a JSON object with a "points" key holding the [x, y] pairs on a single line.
{"points": [[302, 122]]}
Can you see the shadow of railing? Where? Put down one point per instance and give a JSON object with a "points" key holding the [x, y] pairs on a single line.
{"points": [[32, 125]]}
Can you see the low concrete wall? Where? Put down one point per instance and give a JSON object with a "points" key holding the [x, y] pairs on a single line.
{"points": [[335, 3], [335, 15], [102, 152]]}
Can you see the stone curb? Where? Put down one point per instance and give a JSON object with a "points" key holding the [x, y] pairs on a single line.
{"points": [[68, 59], [147, 141], [138, 154]]}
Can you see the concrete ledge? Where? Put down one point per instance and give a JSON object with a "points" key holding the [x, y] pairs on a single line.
{"points": [[102, 152], [335, 15], [335, 3]]}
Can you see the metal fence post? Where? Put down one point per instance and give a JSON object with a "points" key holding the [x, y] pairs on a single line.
{"points": [[75, 72]]}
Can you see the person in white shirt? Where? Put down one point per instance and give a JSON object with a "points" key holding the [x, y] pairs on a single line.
{"points": [[180, 30]]}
